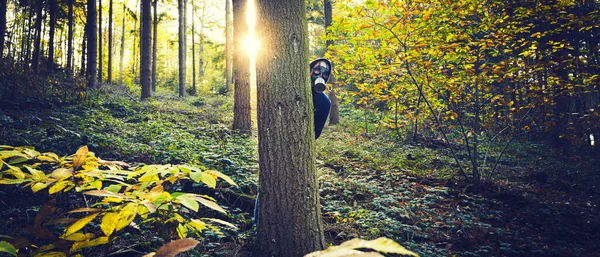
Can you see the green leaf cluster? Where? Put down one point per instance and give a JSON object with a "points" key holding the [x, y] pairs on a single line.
{"points": [[122, 193]]}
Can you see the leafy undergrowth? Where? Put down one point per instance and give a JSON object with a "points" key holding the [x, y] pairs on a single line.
{"points": [[540, 203]]}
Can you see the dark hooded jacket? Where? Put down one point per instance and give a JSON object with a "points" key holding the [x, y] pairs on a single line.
{"points": [[321, 102]]}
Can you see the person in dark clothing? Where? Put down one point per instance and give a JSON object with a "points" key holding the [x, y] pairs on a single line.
{"points": [[320, 70]]}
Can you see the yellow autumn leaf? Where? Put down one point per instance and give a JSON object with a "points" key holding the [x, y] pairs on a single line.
{"points": [[61, 173], [59, 186], [126, 215], [79, 236], [109, 223], [222, 176], [80, 245], [80, 224], [38, 186], [80, 156]]}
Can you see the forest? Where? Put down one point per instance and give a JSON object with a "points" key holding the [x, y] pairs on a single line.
{"points": [[299, 128]]}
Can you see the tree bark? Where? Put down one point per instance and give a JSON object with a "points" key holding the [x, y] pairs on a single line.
{"points": [[122, 48], [154, 46], [51, 36], [70, 38], [23, 38], [289, 211], [83, 52], [201, 45], [92, 42], [29, 28], [193, 52], [2, 25], [110, 40], [182, 47], [229, 30], [146, 46], [38, 37], [334, 113], [242, 119], [135, 43], [100, 56]]}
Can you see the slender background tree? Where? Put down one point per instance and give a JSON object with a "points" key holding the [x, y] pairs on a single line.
{"points": [[100, 46], [229, 30], [146, 48], [3, 4], [242, 119], [182, 46], [91, 43], [110, 41], [154, 44]]}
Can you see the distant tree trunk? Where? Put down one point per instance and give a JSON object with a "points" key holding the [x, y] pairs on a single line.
{"points": [[52, 30], [92, 42], [182, 25], [193, 52], [146, 47], [24, 38], [70, 40], [83, 51], [334, 113], [289, 210], [3, 4], [100, 56], [61, 44], [38, 37], [201, 46], [242, 119], [228, 46], [154, 46], [135, 43], [29, 28], [110, 40], [122, 48], [200, 56]]}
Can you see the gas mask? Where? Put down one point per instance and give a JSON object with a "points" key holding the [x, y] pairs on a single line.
{"points": [[320, 70]]}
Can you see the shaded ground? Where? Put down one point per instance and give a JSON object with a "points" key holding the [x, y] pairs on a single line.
{"points": [[541, 204], [438, 218]]}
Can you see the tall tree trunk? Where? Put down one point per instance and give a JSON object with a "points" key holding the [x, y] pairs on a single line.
{"points": [[228, 46], [23, 38], [201, 55], [334, 113], [52, 30], [193, 52], [182, 25], [38, 36], [201, 45], [135, 43], [154, 46], [122, 48], [146, 47], [92, 42], [242, 119], [61, 45], [289, 211], [100, 56], [3, 4], [29, 28], [110, 40], [83, 51], [70, 40]]}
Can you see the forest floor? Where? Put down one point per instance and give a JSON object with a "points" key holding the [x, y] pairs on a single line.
{"points": [[540, 202]]}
